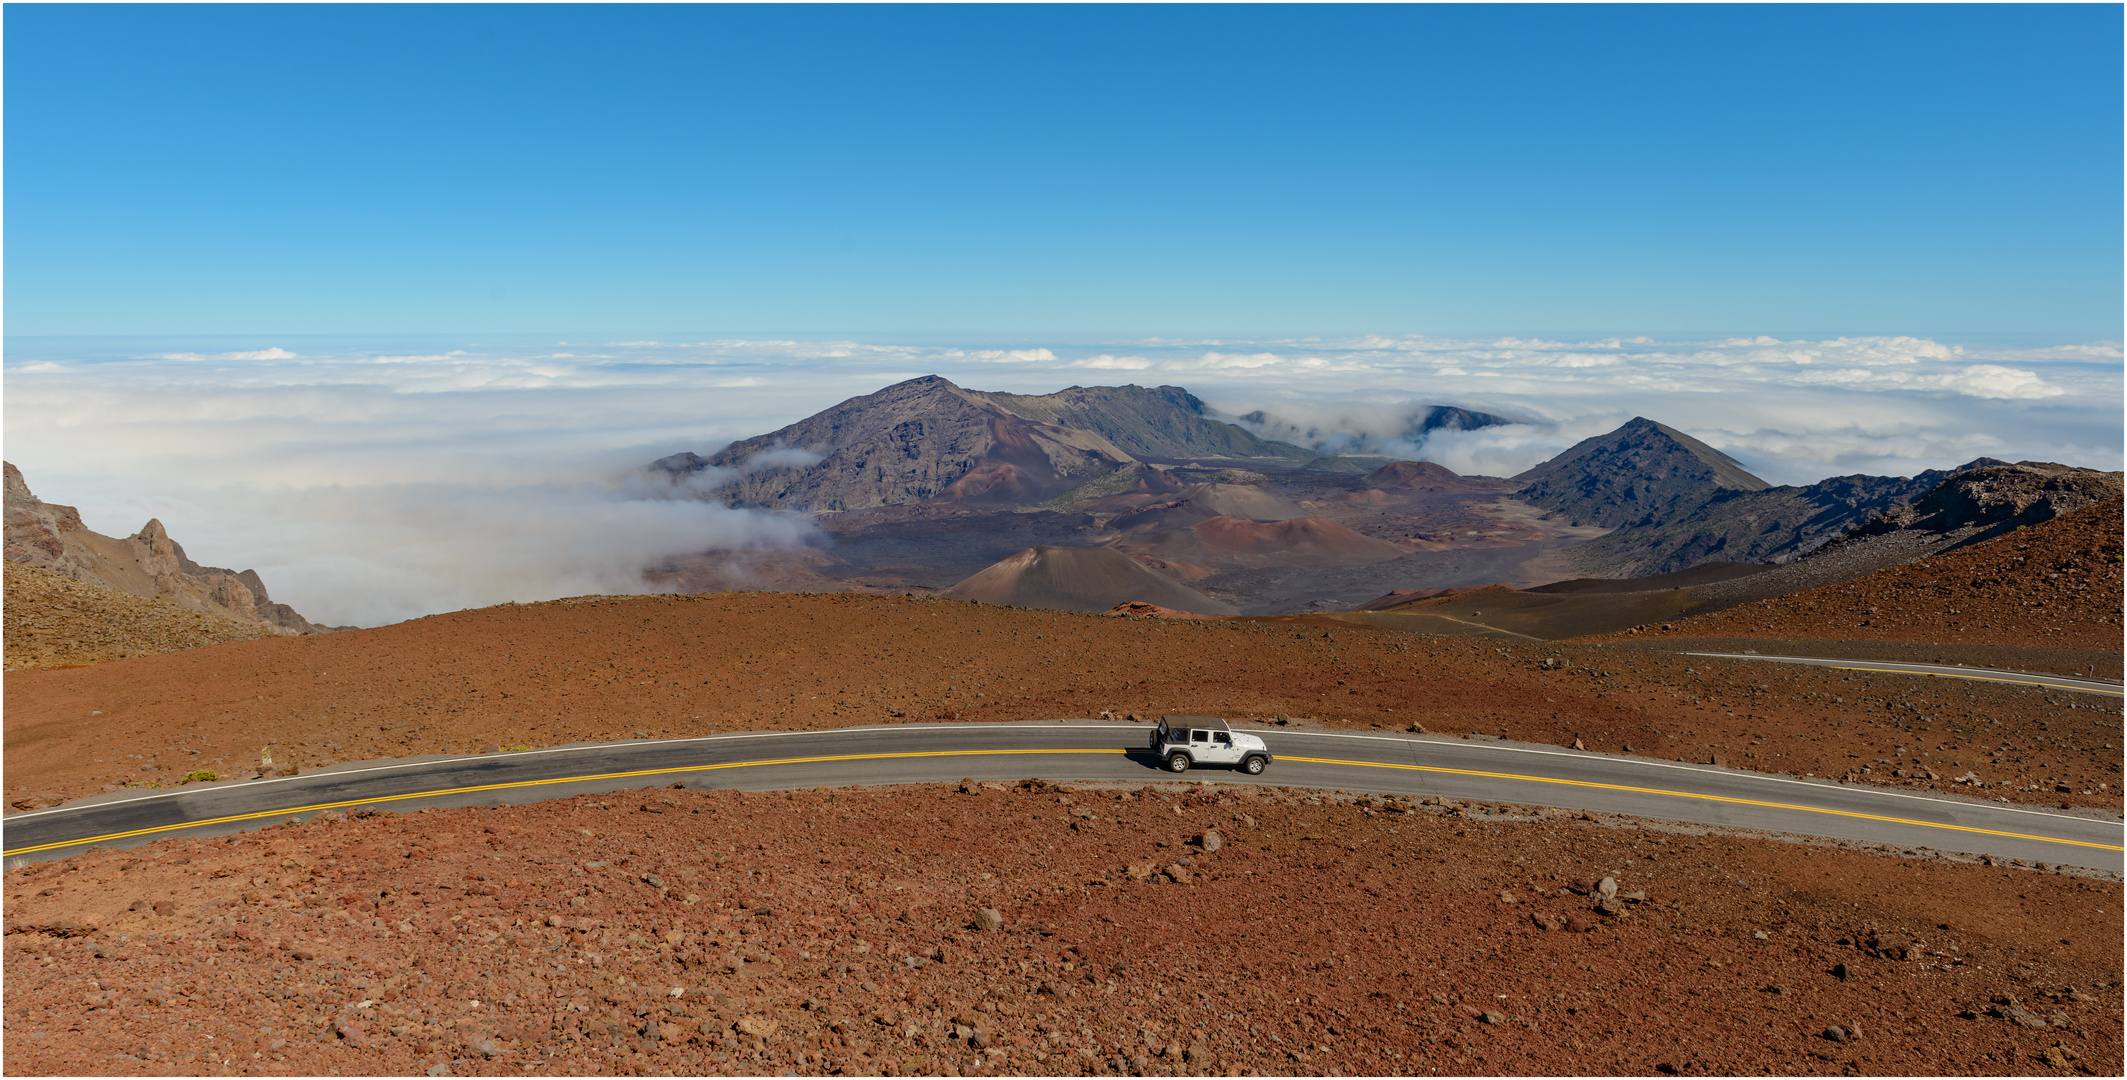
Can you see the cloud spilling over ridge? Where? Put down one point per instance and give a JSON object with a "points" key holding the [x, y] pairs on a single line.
{"points": [[372, 480]]}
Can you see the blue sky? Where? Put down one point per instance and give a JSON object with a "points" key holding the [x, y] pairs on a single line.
{"points": [[1952, 172]]}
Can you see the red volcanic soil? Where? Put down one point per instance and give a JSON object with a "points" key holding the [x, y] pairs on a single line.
{"points": [[604, 668], [660, 931], [2054, 585]]}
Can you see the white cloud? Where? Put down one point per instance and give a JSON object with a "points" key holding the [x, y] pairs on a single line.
{"points": [[375, 480]]}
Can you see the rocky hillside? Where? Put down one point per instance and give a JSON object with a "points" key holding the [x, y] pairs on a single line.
{"points": [[1080, 579], [1642, 473], [54, 620], [913, 441], [1932, 511], [2055, 583], [1159, 422], [927, 439], [147, 564]]}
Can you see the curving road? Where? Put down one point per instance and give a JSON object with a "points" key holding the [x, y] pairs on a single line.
{"points": [[1465, 769], [1951, 671]]}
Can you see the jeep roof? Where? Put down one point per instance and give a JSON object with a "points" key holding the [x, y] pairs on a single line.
{"points": [[1209, 723]]}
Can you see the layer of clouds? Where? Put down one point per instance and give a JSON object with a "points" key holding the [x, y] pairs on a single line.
{"points": [[376, 480]]}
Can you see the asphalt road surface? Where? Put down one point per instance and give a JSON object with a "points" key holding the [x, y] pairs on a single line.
{"points": [[1477, 770], [1953, 671]]}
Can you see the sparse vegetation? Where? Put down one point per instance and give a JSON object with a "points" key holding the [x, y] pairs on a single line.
{"points": [[204, 776]]}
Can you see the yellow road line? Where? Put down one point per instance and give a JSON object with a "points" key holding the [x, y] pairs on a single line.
{"points": [[107, 838], [1707, 798], [1001, 753], [1976, 678]]}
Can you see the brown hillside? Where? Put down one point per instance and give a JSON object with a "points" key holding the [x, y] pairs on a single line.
{"points": [[2056, 584], [684, 932], [1079, 579], [52, 619], [603, 668]]}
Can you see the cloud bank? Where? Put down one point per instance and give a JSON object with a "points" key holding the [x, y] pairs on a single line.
{"points": [[373, 480]]}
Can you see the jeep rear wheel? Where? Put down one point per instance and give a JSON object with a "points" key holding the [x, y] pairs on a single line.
{"points": [[1177, 762], [1254, 765]]}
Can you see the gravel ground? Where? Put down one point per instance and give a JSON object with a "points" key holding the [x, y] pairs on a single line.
{"points": [[54, 620], [660, 930], [606, 668]]}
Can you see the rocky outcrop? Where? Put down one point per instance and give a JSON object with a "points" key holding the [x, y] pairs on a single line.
{"points": [[148, 564]]}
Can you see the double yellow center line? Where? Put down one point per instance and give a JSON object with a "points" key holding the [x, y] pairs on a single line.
{"points": [[827, 758]]}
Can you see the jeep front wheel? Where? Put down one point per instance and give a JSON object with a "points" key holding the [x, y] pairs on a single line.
{"points": [[1253, 766], [1177, 762]]}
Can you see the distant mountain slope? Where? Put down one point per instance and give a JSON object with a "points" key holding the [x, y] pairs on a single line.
{"points": [[2056, 582], [1643, 472], [1156, 422], [1080, 579], [147, 564], [913, 441], [1352, 435], [1932, 510]]}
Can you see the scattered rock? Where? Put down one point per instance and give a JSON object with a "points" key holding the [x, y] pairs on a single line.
{"points": [[1841, 972], [1606, 889], [989, 918], [1578, 925], [1835, 1033], [1547, 922], [1211, 841]]}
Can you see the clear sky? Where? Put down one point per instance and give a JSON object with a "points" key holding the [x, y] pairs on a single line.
{"points": [[1945, 171]]}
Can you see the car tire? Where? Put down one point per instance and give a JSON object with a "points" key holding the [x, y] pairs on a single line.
{"points": [[1177, 762], [1254, 765]]}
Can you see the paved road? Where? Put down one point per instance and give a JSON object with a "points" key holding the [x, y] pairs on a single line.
{"points": [[1953, 671], [1474, 770]]}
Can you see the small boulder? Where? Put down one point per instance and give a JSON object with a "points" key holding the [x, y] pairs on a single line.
{"points": [[1835, 1033], [1606, 889], [1547, 922], [1493, 1017], [1212, 841], [989, 918]]}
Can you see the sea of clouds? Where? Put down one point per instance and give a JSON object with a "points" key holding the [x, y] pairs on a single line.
{"points": [[373, 480]]}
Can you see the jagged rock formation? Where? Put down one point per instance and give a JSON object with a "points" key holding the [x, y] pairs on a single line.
{"points": [[147, 564]]}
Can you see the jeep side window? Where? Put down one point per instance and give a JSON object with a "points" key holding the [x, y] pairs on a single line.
{"points": [[1222, 738], [1199, 736]]}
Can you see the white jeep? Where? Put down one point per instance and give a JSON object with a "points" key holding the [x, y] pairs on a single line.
{"points": [[1182, 741]]}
